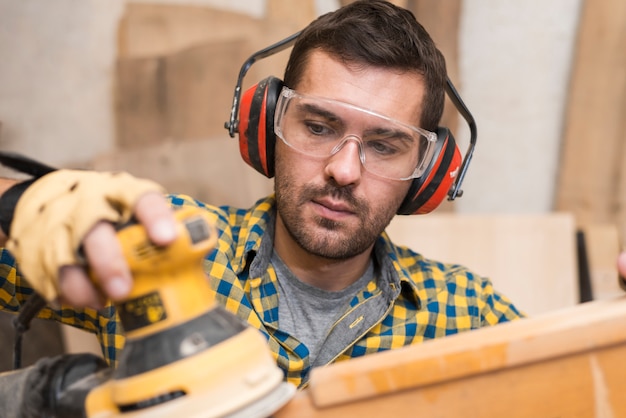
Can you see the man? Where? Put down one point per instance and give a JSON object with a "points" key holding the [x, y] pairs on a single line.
{"points": [[310, 267]]}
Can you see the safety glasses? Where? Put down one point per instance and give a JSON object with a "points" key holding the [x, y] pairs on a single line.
{"points": [[321, 127]]}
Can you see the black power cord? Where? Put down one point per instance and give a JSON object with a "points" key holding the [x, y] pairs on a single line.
{"points": [[8, 201], [21, 323]]}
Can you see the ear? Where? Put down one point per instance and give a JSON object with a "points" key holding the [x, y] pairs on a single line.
{"points": [[257, 139], [428, 191]]}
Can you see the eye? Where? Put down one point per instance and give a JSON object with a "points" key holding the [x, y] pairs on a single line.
{"points": [[318, 128], [383, 147]]}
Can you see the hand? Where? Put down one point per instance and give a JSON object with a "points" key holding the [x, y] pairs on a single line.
{"points": [[54, 216], [104, 255]]}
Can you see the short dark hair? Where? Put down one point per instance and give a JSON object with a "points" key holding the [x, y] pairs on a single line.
{"points": [[376, 33]]}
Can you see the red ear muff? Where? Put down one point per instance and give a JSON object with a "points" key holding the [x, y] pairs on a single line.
{"points": [[428, 191], [257, 140]]}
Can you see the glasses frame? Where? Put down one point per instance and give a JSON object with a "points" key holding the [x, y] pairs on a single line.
{"points": [[287, 94]]}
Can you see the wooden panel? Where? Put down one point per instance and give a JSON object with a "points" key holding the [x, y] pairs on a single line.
{"points": [[210, 170], [539, 367], [200, 82], [621, 200], [141, 102], [602, 244], [530, 258], [178, 66], [299, 14], [594, 149], [152, 30], [185, 95]]}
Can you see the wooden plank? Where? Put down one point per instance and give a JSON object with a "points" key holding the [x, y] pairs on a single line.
{"points": [[593, 140], [210, 170], [533, 367], [531, 258], [200, 82], [299, 14], [178, 65], [178, 96], [152, 30], [141, 105], [621, 197], [602, 244]]}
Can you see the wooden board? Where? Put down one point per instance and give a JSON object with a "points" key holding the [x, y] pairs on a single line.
{"points": [[149, 30], [210, 170], [592, 180], [178, 65], [531, 258], [602, 242], [567, 363]]}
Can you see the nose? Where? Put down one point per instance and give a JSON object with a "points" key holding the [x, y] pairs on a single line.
{"points": [[344, 165]]}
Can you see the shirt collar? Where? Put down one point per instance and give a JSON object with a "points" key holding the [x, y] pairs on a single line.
{"points": [[252, 232], [393, 274]]}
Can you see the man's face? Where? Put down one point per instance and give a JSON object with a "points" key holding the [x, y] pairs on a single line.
{"points": [[331, 206]]}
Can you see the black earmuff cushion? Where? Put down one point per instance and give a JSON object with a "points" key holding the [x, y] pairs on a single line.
{"points": [[257, 139], [429, 190]]}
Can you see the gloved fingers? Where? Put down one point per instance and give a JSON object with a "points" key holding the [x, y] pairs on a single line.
{"points": [[55, 214], [153, 211], [77, 289], [108, 266]]}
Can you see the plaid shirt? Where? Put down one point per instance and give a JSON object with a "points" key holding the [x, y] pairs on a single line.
{"points": [[421, 299]]}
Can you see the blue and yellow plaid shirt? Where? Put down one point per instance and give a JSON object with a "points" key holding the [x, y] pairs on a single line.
{"points": [[413, 299]]}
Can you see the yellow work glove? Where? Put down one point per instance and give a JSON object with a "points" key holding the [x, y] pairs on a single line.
{"points": [[54, 214]]}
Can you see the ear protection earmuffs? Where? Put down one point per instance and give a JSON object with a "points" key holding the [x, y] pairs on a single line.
{"points": [[257, 140]]}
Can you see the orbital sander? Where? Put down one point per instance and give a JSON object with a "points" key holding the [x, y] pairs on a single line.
{"points": [[184, 354]]}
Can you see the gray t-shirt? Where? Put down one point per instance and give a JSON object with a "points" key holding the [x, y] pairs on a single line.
{"points": [[307, 312]]}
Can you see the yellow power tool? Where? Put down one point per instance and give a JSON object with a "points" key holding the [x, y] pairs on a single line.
{"points": [[184, 354]]}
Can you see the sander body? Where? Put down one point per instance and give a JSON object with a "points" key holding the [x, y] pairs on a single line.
{"points": [[184, 355]]}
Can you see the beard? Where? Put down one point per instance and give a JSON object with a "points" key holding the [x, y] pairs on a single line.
{"points": [[325, 237]]}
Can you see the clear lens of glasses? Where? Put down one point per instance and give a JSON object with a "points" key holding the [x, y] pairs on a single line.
{"points": [[321, 127]]}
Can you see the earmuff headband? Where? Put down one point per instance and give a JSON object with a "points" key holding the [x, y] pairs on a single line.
{"points": [[458, 103], [233, 123]]}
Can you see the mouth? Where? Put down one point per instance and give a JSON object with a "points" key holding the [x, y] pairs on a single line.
{"points": [[332, 208]]}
